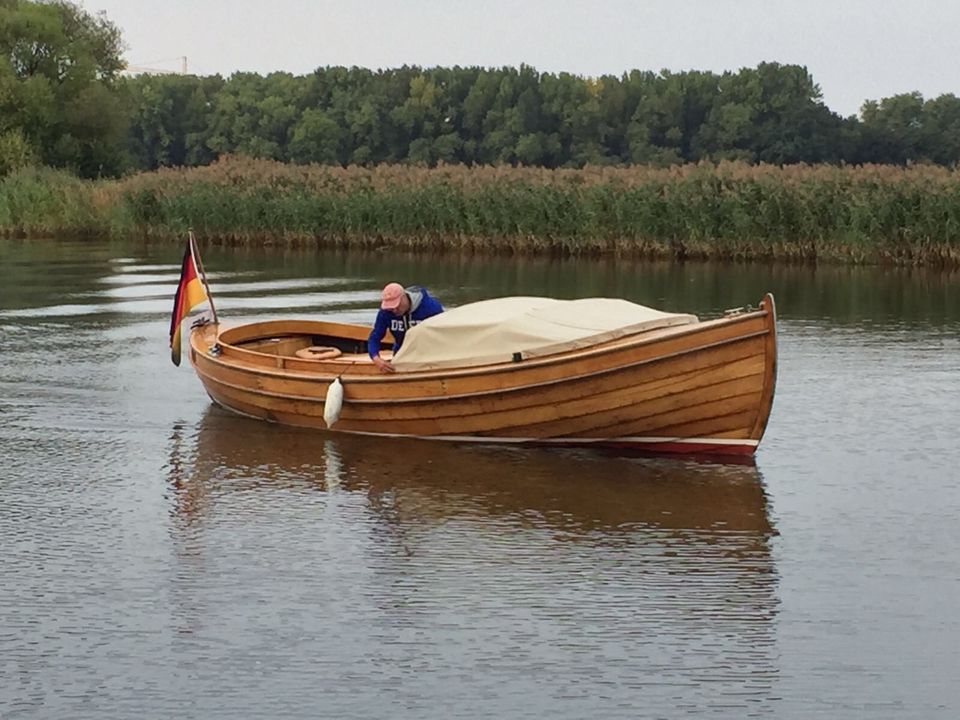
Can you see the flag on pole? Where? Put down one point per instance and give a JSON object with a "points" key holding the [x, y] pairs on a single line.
{"points": [[190, 293]]}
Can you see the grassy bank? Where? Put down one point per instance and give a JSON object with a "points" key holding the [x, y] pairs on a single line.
{"points": [[797, 213]]}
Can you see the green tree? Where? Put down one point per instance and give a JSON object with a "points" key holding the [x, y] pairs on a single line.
{"points": [[669, 116], [613, 100], [419, 118], [476, 105], [941, 138], [772, 113], [905, 128], [571, 108], [58, 71], [317, 138], [170, 117], [255, 115]]}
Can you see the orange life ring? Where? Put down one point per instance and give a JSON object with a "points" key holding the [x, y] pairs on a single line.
{"points": [[318, 352]]}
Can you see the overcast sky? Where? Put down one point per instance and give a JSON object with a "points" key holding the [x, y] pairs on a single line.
{"points": [[855, 49]]}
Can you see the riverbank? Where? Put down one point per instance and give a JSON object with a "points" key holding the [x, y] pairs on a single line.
{"points": [[869, 214]]}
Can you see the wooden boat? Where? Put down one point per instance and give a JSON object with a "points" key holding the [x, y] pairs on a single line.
{"points": [[697, 387]]}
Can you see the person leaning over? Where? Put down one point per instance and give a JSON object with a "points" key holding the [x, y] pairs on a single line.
{"points": [[400, 309]]}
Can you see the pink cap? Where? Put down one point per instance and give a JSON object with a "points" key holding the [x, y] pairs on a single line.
{"points": [[391, 296]]}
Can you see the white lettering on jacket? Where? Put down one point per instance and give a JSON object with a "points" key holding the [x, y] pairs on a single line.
{"points": [[397, 324]]}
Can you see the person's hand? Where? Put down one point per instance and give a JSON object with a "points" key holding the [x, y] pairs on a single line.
{"points": [[383, 366]]}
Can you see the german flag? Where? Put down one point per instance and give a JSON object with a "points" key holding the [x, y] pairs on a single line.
{"points": [[190, 293]]}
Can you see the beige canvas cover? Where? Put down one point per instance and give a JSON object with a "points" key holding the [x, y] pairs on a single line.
{"points": [[491, 331]]}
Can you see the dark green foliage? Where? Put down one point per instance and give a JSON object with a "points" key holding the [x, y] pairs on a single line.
{"points": [[170, 118], [63, 104], [59, 103], [517, 116], [906, 128]]}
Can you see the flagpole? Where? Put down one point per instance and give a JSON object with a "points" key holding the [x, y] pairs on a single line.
{"points": [[203, 275]]}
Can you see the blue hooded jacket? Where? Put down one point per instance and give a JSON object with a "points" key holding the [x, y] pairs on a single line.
{"points": [[422, 306]]}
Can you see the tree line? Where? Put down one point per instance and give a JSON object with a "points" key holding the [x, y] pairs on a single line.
{"points": [[64, 102]]}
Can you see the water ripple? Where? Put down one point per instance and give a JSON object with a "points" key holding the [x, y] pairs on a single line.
{"points": [[164, 559]]}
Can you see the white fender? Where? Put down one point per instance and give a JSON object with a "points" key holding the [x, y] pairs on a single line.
{"points": [[333, 403]]}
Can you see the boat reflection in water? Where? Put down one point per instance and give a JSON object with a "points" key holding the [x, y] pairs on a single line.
{"points": [[566, 489], [566, 563]]}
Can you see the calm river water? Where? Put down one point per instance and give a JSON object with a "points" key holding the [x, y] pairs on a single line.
{"points": [[163, 559]]}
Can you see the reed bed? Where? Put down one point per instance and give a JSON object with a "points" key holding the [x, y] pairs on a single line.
{"points": [[863, 214]]}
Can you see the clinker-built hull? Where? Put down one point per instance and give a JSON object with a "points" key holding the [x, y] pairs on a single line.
{"points": [[705, 387]]}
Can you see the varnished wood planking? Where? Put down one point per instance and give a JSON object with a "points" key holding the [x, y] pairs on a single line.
{"points": [[652, 380], [733, 425], [311, 367], [414, 387], [582, 418], [573, 402], [568, 416], [669, 420], [715, 379], [658, 375]]}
